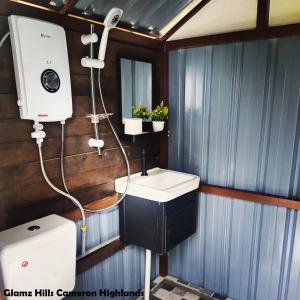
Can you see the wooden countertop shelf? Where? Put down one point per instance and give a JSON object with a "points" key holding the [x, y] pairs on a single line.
{"points": [[97, 204]]}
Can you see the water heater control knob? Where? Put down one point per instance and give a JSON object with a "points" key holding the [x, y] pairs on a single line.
{"points": [[50, 81]]}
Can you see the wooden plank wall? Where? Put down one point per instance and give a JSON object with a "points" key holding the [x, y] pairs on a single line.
{"points": [[24, 195]]}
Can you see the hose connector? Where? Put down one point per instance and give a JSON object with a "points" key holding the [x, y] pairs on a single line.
{"points": [[38, 133], [83, 228]]}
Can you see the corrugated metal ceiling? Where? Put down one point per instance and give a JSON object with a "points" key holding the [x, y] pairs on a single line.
{"points": [[147, 15], [158, 17]]}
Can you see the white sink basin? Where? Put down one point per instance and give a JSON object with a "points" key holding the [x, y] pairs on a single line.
{"points": [[160, 185]]}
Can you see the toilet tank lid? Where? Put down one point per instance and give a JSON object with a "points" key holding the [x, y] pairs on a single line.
{"points": [[34, 229]]}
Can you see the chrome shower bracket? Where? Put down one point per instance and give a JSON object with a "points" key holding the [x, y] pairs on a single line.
{"points": [[95, 118]]}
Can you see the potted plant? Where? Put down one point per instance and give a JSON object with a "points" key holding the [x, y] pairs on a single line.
{"points": [[140, 112], [135, 125], [158, 116]]}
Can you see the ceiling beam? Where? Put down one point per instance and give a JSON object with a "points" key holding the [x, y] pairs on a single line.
{"points": [[261, 31], [68, 6], [233, 37], [262, 20], [28, 3], [185, 19]]}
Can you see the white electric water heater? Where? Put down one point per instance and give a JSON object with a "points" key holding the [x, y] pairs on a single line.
{"points": [[41, 69], [38, 259]]}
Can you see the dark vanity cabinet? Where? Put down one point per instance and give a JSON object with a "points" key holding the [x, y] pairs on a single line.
{"points": [[158, 226]]}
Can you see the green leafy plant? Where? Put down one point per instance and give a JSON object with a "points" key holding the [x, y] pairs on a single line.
{"points": [[140, 112], [160, 113]]}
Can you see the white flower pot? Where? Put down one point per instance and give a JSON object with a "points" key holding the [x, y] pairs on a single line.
{"points": [[158, 125], [133, 126]]}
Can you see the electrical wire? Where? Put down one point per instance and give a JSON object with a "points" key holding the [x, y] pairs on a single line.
{"points": [[122, 149], [4, 38], [73, 199]]}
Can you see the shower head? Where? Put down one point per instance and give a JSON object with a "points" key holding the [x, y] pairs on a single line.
{"points": [[113, 17], [111, 21]]}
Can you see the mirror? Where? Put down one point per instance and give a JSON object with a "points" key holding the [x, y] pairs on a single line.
{"points": [[136, 85]]}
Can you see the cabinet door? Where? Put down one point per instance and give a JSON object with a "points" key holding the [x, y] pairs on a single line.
{"points": [[139, 222], [181, 224]]}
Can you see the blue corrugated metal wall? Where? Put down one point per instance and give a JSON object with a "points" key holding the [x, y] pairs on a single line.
{"points": [[124, 270], [234, 120]]}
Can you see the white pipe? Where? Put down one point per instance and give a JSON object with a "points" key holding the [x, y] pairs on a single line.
{"points": [[147, 275]]}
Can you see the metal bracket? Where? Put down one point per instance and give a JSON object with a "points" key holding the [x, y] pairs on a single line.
{"points": [[97, 117]]}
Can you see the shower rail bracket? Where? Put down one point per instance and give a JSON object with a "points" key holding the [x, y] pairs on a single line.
{"points": [[95, 118]]}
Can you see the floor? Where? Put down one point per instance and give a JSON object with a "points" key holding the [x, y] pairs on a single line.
{"points": [[171, 288]]}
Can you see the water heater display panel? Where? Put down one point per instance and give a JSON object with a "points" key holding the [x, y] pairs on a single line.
{"points": [[41, 69]]}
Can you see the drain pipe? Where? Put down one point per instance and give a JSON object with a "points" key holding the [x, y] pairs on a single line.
{"points": [[147, 275]]}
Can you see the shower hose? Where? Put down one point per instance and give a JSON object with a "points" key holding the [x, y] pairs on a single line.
{"points": [[67, 193], [123, 152], [121, 147]]}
